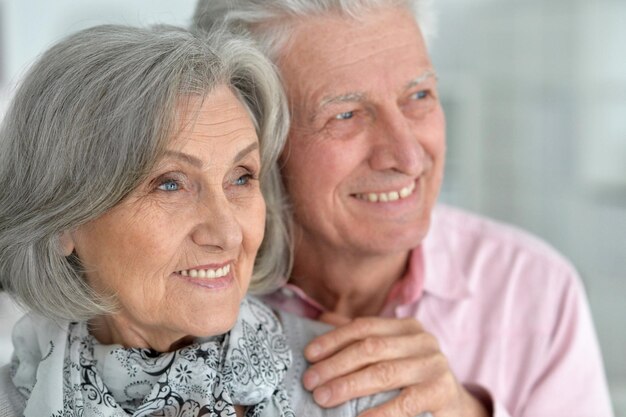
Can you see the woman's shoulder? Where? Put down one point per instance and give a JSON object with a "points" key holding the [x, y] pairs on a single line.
{"points": [[11, 401], [300, 331]]}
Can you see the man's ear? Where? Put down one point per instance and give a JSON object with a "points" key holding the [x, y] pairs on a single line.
{"points": [[67, 243]]}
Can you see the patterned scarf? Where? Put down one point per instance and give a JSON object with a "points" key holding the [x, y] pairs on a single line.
{"points": [[64, 371]]}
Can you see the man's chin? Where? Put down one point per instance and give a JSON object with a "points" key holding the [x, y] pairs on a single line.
{"points": [[386, 241]]}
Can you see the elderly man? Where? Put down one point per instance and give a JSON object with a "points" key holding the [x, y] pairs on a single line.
{"points": [[474, 318]]}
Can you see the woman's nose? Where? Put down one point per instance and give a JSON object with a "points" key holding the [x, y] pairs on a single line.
{"points": [[218, 226]]}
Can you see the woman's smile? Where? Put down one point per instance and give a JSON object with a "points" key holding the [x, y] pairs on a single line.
{"points": [[210, 277]]}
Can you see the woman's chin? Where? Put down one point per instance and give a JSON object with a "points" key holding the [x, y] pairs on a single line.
{"points": [[219, 322]]}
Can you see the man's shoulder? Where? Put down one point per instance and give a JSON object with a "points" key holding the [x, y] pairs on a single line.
{"points": [[490, 259], [507, 272], [468, 235]]}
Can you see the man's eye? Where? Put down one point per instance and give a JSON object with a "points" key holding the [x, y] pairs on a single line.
{"points": [[345, 115], [169, 185], [420, 95]]}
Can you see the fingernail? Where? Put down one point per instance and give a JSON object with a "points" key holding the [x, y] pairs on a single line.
{"points": [[313, 351], [310, 380], [321, 395]]}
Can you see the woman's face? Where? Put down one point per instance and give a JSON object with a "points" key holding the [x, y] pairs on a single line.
{"points": [[178, 253]]}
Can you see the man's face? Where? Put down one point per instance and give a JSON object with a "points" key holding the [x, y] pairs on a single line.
{"points": [[365, 154]]}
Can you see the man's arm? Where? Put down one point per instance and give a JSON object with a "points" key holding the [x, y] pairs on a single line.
{"points": [[369, 355], [372, 355]]}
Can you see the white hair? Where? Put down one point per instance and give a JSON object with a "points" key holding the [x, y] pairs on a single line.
{"points": [[270, 22], [88, 123]]}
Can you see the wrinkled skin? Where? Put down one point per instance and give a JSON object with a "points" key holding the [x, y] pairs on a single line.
{"points": [[366, 120]]}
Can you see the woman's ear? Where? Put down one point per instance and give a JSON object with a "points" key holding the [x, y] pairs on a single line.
{"points": [[67, 243]]}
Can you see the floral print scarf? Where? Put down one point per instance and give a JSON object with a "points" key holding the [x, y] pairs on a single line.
{"points": [[64, 371]]}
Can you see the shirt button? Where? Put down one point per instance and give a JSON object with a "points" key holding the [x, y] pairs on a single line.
{"points": [[287, 292]]}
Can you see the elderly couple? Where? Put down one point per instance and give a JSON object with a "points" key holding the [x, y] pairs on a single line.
{"points": [[143, 173]]}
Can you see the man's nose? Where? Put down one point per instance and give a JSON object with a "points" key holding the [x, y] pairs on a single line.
{"points": [[396, 145], [218, 228]]}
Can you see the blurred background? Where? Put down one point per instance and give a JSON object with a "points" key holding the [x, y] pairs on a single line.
{"points": [[535, 98]]}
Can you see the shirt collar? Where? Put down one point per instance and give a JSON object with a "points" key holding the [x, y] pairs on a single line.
{"points": [[431, 269]]}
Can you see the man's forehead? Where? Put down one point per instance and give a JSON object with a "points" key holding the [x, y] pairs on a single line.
{"points": [[334, 60], [321, 43]]}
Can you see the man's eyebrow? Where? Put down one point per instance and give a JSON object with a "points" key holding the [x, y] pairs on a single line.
{"points": [[417, 81], [351, 97], [342, 98], [356, 97], [197, 163]]}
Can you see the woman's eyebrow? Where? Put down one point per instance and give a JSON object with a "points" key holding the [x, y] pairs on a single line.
{"points": [[185, 157], [197, 163], [245, 151]]}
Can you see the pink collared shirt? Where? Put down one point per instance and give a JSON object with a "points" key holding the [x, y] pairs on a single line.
{"points": [[510, 314]]}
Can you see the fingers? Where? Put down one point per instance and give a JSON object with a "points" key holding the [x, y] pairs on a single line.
{"points": [[439, 395], [380, 377], [409, 403], [372, 355], [368, 352], [327, 344]]}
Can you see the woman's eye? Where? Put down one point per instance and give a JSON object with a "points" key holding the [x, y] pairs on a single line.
{"points": [[169, 185], [345, 115], [243, 180]]}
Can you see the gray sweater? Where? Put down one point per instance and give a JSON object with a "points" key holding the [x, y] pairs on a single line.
{"points": [[299, 332]]}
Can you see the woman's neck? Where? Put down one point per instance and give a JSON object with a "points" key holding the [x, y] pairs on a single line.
{"points": [[116, 329], [352, 286]]}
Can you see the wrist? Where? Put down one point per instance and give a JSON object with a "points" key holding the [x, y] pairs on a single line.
{"points": [[478, 402]]}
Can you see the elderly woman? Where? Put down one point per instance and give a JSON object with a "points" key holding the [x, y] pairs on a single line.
{"points": [[133, 163], [130, 219]]}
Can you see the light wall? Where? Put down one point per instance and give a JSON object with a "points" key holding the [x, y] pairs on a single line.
{"points": [[535, 98]]}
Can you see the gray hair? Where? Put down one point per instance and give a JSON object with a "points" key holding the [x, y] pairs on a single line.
{"points": [[271, 21], [88, 123]]}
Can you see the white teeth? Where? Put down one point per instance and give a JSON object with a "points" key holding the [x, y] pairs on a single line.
{"points": [[387, 197], [405, 192], [206, 273]]}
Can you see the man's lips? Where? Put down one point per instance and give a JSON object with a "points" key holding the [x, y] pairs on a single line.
{"points": [[388, 196]]}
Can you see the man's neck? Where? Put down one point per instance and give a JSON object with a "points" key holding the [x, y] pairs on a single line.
{"points": [[345, 284]]}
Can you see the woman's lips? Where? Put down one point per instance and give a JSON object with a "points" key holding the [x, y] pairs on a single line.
{"points": [[207, 273], [216, 278]]}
